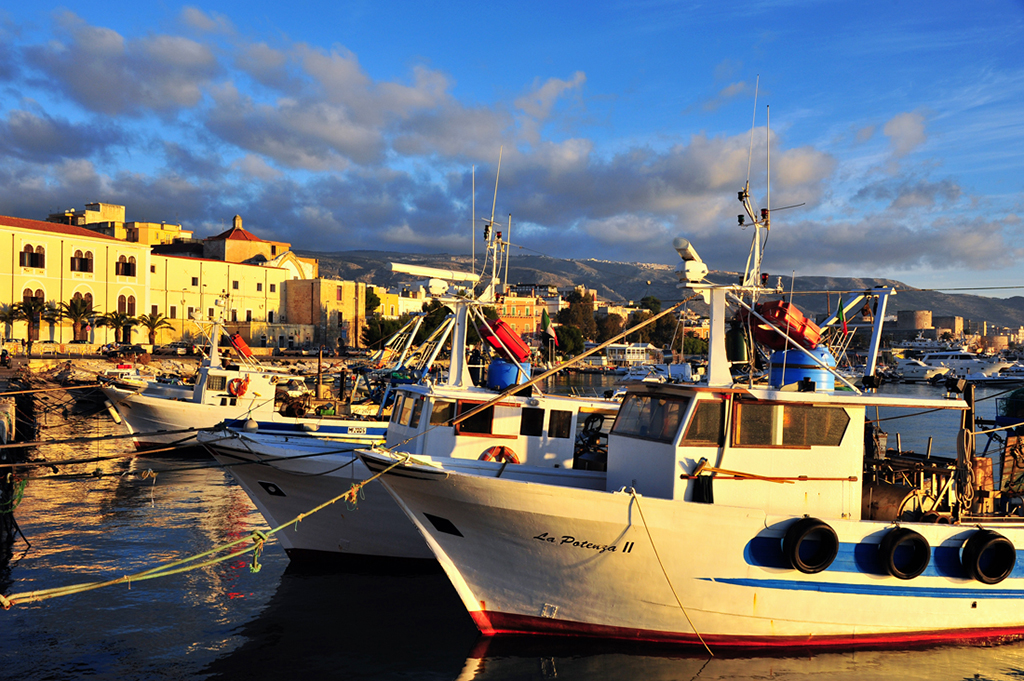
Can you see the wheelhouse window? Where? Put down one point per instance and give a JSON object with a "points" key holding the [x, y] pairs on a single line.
{"points": [[650, 418], [532, 422], [788, 425], [707, 425], [500, 420], [216, 382], [442, 413], [559, 423]]}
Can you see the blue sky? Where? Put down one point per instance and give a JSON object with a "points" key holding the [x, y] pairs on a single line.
{"points": [[356, 125]]}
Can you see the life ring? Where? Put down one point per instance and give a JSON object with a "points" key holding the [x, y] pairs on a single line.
{"points": [[500, 454], [810, 545], [988, 557], [237, 386], [904, 553]]}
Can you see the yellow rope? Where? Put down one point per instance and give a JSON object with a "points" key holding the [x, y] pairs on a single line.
{"points": [[632, 493], [186, 564]]}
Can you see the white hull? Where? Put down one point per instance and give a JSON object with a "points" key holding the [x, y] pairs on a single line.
{"points": [[528, 558], [297, 474], [160, 422]]}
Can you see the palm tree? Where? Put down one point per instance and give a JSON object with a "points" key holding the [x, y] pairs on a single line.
{"points": [[52, 315], [153, 323], [78, 311], [31, 311], [8, 315], [121, 323]]}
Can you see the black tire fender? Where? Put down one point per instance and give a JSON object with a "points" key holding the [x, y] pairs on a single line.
{"points": [[810, 545], [988, 557], [899, 563]]}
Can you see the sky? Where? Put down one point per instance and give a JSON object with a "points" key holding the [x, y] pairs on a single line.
{"points": [[895, 128]]}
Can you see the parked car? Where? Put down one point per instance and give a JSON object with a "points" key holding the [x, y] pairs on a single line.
{"points": [[177, 348], [47, 347], [123, 351]]}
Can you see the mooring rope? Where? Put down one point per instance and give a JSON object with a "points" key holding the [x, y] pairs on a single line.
{"points": [[189, 563], [664, 571]]}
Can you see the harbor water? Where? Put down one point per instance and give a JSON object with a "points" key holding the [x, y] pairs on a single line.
{"points": [[119, 516]]}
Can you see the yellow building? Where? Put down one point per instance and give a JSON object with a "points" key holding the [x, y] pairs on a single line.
{"points": [[108, 219], [336, 310], [57, 262]]}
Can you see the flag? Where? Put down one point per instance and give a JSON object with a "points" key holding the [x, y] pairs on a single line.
{"points": [[842, 314], [546, 328]]}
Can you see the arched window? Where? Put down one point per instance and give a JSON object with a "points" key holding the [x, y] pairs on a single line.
{"points": [[39, 294], [125, 267], [81, 262], [88, 300], [31, 257], [26, 295], [122, 304], [77, 296], [131, 306]]}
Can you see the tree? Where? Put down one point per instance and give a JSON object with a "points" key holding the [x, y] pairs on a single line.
{"points": [[608, 326], [579, 314], [153, 323], [651, 303], [31, 311], [378, 329], [372, 301], [78, 311], [570, 340], [8, 315], [644, 334], [52, 315], [694, 346], [121, 323]]}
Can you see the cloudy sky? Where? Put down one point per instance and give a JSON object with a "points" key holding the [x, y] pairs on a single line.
{"points": [[899, 125]]}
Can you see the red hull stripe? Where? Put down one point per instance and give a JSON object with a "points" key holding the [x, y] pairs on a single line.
{"points": [[496, 623]]}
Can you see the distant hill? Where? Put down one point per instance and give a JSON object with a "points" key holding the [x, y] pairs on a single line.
{"points": [[621, 282]]}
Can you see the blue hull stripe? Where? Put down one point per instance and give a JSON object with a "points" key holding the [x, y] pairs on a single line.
{"points": [[872, 589]]}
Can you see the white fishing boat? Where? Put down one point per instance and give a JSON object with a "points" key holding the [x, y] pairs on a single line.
{"points": [[506, 428], [738, 515], [161, 414]]}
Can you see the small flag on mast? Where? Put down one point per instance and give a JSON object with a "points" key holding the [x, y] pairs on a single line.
{"points": [[842, 314], [546, 328]]}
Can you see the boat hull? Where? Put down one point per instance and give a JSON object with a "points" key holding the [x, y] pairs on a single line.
{"points": [[529, 558], [283, 490], [160, 422], [290, 476]]}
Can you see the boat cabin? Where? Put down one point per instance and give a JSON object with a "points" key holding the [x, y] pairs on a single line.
{"points": [[544, 430], [781, 451]]}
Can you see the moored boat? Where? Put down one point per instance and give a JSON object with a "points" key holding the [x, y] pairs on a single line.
{"points": [[738, 515]]}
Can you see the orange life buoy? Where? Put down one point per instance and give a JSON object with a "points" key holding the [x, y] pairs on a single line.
{"points": [[237, 386], [500, 454]]}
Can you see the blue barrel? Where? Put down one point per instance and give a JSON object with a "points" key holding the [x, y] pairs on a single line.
{"points": [[793, 366], [502, 374]]}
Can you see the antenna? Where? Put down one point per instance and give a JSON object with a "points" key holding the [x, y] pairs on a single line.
{"points": [[495, 201], [508, 248], [472, 222]]}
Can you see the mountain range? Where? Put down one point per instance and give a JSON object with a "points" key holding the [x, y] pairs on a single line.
{"points": [[622, 282]]}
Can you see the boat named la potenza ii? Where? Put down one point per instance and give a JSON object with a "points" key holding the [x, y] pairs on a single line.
{"points": [[738, 514]]}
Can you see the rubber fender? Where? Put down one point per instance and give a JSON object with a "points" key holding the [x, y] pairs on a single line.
{"points": [[810, 545], [904, 553], [988, 557]]}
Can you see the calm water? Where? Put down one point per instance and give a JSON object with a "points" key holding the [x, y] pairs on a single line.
{"points": [[286, 622]]}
